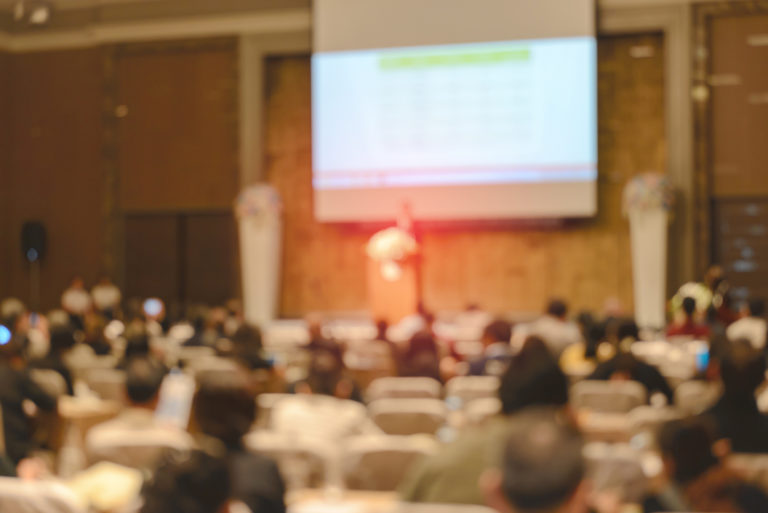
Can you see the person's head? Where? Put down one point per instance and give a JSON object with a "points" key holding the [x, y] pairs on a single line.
{"points": [[62, 339], [381, 329], [248, 335], [627, 330], [497, 331], [594, 335], [143, 377], [136, 344], [756, 307], [198, 483], [689, 307], [12, 352], [225, 408], [742, 369], [542, 467], [533, 378], [557, 308], [77, 282], [686, 449], [624, 367], [422, 342]]}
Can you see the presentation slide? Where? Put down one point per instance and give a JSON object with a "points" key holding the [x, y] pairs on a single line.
{"points": [[467, 130]]}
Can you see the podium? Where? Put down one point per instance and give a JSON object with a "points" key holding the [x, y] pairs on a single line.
{"points": [[392, 299]]}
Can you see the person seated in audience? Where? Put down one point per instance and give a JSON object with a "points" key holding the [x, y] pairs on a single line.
{"points": [[688, 326], [198, 484], [247, 347], [76, 301], [327, 375], [496, 350], [16, 386], [225, 409], [583, 357], [555, 328], [205, 334], [542, 469], [106, 298], [625, 366], [421, 358], [752, 326], [143, 379], [735, 415], [136, 346], [62, 339], [532, 379], [95, 324], [694, 477]]}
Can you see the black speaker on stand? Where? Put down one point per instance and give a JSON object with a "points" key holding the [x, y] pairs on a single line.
{"points": [[33, 245]]}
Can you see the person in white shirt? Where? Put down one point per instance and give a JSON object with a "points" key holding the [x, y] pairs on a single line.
{"points": [[106, 297], [554, 328], [76, 301], [135, 438], [752, 326]]}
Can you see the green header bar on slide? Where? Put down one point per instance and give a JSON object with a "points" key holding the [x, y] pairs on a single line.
{"points": [[454, 59]]}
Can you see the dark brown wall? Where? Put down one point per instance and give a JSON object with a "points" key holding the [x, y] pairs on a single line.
{"points": [[4, 172], [502, 269], [54, 171]]}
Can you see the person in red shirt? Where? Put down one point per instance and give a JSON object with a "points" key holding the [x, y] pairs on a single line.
{"points": [[689, 326]]}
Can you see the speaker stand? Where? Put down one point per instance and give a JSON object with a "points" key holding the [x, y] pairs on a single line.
{"points": [[34, 285]]}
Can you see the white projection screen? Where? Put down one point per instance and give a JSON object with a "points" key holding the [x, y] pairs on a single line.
{"points": [[463, 109]]}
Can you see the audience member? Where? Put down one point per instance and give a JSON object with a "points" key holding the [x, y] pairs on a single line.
{"points": [[199, 483], [555, 329], [688, 325], [625, 366], [137, 422], [496, 350], [735, 415], [247, 347], [533, 378], [95, 324], [76, 301], [106, 298], [136, 346], [225, 409], [327, 375], [421, 358], [695, 480], [62, 339], [542, 469], [752, 326], [16, 387]]}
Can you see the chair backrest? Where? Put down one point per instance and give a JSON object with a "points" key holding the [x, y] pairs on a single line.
{"points": [[616, 469], [143, 452], [50, 381], [478, 410], [693, 397], [265, 404], [192, 353], [379, 462], [108, 384], [408, 416], [439, 508], [608, 396], [208, 367], [647, 420], [17, 496], [467, 388], [303, 462], [753, 466], [404, 388]]}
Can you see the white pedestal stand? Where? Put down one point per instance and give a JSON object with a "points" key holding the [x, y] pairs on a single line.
{"points": [[648, 231]]}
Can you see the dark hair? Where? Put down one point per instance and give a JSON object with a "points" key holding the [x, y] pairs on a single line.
{"points": [[533, 378], [742, 369], [225, 408], [199, 483], [557, 307], [136, 345], [248, 335], [143, 377], [62, 338], [498, 331], [421, 342], [594, 335], [688, 442], [756, 307], [627, 329], [689, 306], [543, 462]]}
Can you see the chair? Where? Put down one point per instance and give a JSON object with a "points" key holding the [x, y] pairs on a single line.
{"points": [[50, 381], [616, 469], [17, 496], [108, 384], [405, 507], [383, 388], [142, 451], [753, 466], [693, 397], [208, 367], [478, 410], [192, 353], [378, 463], [304, 462], [608, 396], [467, 388], [647, 420], [408, 416], [265, 403]]}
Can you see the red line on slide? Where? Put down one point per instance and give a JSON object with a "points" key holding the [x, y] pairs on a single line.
{"points": [[454, 170]]}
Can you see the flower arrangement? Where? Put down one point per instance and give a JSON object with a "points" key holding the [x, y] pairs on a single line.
{"points": [[648, 191], [256, 200], [698, 291], [391, 244]]}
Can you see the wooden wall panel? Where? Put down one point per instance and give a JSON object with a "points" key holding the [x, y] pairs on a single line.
{"points": [[502, 269], [178, 134], [5, 126], [55, 166]]}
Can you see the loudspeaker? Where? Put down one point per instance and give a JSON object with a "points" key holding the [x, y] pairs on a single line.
{"points": [[33, 240]]}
